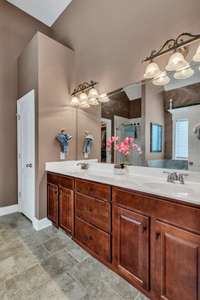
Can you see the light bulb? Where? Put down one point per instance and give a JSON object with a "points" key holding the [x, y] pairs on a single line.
{"points": [[176, 62], [93, 101], [196, 57], [93, 93], [184, 73], [75, 101], [103, 98], [152, 70], [162, 79]]}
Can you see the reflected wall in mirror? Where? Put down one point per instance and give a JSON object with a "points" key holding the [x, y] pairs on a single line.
{"points": [[163, 120]]}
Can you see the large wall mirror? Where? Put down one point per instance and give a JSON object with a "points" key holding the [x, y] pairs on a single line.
{"points": [[163, 120]]}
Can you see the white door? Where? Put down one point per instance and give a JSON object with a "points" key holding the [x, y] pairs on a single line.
{"points": [[26, 154]]}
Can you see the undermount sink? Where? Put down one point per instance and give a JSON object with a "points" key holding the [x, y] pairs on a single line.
{"points": [[170, 188]]}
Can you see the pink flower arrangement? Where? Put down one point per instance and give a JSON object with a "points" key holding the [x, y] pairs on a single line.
{"points": [[124, 147]]}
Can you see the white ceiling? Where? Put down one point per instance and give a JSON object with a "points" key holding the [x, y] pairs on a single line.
{"points": [[46, 11]]}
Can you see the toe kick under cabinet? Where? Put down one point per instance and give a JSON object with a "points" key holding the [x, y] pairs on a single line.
{"points": [[152, 242]]}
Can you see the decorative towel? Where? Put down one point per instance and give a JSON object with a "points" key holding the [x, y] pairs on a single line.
{"points": [[64, 139], [87, 145]]}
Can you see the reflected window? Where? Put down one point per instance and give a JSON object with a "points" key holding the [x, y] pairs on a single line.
{"points": [[181, 139], [156, 137]]}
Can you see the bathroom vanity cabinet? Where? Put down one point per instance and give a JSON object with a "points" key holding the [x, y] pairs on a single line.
{"points": [[60, 201], [152, 242]]}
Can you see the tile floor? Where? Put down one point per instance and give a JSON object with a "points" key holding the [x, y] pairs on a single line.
{"points": [[49, 265]]}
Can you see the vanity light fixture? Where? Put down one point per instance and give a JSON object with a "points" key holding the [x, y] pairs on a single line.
{"points": [[75, 101], [152, 70], [86, 95], [177, 62]]}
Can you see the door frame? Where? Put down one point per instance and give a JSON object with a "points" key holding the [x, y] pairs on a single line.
{"points": [[19, 166], [108, 136]]}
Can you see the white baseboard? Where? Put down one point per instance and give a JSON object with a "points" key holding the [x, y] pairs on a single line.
{"points": [[41, 224], [7, 210]]}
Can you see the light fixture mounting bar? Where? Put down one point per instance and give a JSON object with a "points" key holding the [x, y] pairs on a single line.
{"points": [[182, 40], [84, 87]]}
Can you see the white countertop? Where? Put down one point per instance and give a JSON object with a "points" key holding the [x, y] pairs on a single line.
{"points": [[142, 179]]}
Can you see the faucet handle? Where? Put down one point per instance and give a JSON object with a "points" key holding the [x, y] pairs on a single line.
{"points": [[181, 177]]}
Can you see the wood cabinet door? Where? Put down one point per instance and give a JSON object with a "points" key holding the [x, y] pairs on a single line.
{"points": [[52, 203], [66, 209], [177, 263], [131, 245]]}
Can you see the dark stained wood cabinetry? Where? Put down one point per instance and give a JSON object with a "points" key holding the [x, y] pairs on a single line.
{"points": [[131, 244], [94, 239], [151, 241], [52, 203], [93, 218], [66, 209], [60, 201], [177, 263]]}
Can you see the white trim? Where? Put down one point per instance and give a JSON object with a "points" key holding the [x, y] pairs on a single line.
{"points": [[7, 210], [41, 224]]}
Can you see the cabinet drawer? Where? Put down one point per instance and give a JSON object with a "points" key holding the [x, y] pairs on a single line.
{"points": [[64, 181], [93, 189], [95, 240], [180, 215], [94, 211]]}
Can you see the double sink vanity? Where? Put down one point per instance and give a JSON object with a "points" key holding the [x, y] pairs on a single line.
{"points": [[138, 224]]}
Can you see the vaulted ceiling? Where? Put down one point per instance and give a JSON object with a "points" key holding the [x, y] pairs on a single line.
{"points": [[46, 11]]}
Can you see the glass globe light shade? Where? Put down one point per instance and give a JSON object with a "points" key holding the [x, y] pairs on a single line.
{"points": [[176, 62], [93, 93], [84, 104], [103, 98], [93, 101], [75, 101], [196, 57], [162, 79], [152, 70], [83, 96], [84, 100], [184, 73]]}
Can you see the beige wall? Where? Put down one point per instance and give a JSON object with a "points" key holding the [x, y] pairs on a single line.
{"points": [[112, 37], [154, 113], [89, 120], [16, 29], [47, 66], [55, 75]]}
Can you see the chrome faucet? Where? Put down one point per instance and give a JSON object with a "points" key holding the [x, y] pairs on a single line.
{"points": [[174, 177], [84, 165]]}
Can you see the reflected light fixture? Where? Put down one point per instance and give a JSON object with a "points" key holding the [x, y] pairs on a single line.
{"points": [[86, 95], [176, 63], [103, 98], [184, 73], [161, 79], [196, 57]]}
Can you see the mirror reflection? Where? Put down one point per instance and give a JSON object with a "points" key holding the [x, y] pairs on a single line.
{"points": [[164, 122]]}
